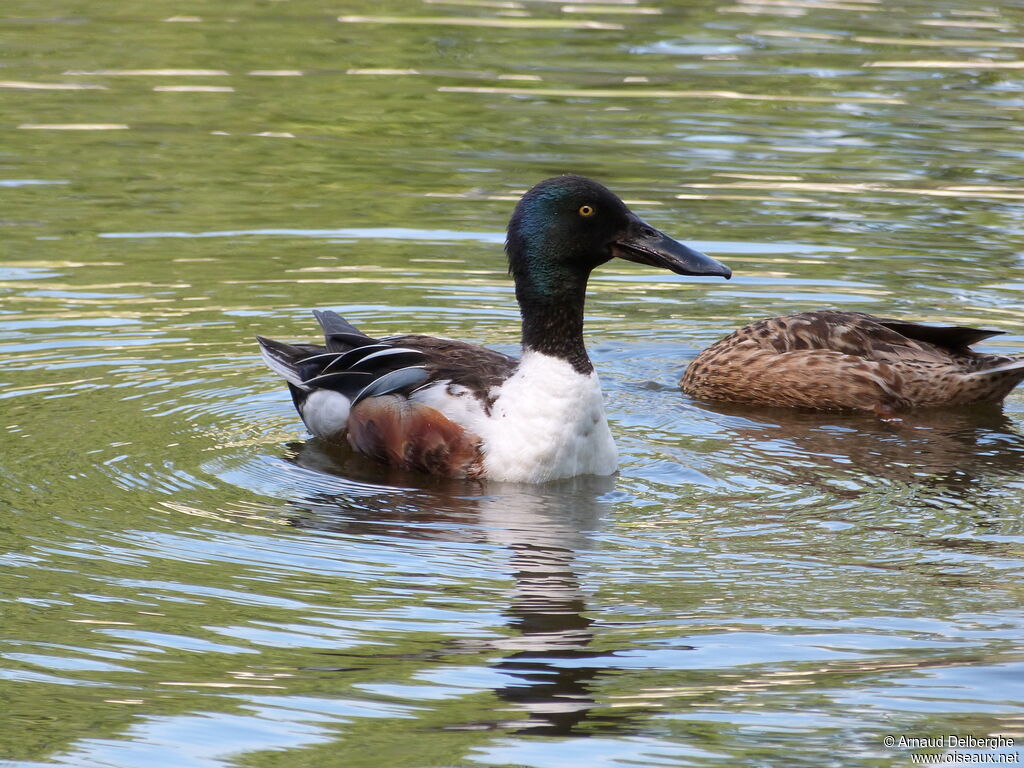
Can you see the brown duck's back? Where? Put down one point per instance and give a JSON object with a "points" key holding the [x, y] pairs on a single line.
{"points": [[849, 360]]}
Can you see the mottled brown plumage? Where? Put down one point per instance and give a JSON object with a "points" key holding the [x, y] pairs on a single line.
{"points": [[851, 360]]}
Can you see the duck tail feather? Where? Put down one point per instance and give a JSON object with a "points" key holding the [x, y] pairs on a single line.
{"points": [[953, 337], [340, 334], [283, 359], [332, 322], [1013, 365]]}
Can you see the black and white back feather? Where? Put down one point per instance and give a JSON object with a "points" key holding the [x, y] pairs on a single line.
{"points": [[358, 366]]}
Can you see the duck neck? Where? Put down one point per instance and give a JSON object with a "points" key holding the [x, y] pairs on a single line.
{"points": [[553, 318]]}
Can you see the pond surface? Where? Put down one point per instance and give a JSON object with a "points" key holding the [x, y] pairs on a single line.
{"points": [[188, 580]]}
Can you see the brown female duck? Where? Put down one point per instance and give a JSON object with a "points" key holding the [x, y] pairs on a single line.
{"points": [[851, 360]]}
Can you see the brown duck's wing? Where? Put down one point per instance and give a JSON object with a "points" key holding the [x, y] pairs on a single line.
{"points": [[860, 335], [955, 338]]}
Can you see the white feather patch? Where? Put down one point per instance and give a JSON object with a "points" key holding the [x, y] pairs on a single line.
{"points": [[547, 422], [325, 413]]}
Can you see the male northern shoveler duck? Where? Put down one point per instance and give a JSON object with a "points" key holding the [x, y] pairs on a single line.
{"points": [[457, 409], [851, 361]]}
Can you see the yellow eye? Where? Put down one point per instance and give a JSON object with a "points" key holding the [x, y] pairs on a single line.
{"points": [[586, 210]]}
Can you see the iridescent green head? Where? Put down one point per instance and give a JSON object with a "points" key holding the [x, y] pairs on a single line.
{"points": [[567, 225]]}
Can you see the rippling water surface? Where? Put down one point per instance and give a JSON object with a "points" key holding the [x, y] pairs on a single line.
{"points": [[188, 580]]}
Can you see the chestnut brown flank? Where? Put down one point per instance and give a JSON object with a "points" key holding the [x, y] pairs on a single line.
{"points": [[406, 434]]}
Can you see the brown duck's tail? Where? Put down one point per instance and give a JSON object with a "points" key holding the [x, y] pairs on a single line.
{"points": [[1012, 367], [991, 385]]}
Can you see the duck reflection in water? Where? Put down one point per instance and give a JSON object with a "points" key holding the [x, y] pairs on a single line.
{"points": [[542, 527], [944, 450]]}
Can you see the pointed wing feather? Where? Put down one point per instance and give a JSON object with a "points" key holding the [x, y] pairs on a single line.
{"points": [[479, 369], [346, 359], [348, 383], [369, 362], [402, 380], [955, 338], [396, 357]]}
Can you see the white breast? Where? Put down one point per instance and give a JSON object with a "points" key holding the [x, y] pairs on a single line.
{"points": [[547, 422]]}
